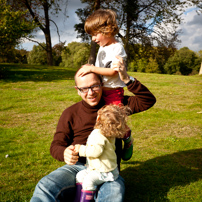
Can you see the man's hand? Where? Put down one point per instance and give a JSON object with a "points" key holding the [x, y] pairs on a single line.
{"points": [[70, 156], [119, 66]]}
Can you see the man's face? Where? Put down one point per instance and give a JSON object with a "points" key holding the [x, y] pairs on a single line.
{"points": [[92, 97]]}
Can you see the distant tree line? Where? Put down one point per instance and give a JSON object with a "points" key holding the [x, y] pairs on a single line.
{"points": [[153, 60], [147, 23], [148, 31]]}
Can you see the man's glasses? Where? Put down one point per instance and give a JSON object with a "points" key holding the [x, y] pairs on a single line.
{"points": [[86, 89]]}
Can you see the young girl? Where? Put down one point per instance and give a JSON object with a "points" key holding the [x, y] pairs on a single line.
{"points": [[100, 151], [102, 26]]}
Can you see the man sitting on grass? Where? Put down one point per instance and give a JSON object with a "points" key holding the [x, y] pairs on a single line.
{"points": [[74, 127]]}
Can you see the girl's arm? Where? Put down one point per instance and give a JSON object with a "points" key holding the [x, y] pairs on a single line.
{"points": [[95, 145], [98, 70], [93, 151]]}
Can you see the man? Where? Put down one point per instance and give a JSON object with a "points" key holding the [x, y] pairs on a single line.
{"points": [[74, 126]]}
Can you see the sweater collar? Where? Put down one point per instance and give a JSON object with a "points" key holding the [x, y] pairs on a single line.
{"points": [[93, 108]]}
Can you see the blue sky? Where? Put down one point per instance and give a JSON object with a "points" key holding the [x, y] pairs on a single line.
{"points": [[191, 35]]}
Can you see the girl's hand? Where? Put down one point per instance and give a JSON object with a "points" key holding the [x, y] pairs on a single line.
{"points": [[77, 147], [87, 68]]}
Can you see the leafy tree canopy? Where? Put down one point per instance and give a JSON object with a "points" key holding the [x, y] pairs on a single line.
{"points": [[13, 26], [37, 56], [75, 54], [146, 22], [200, 55], [184, 62], [41, 11]]}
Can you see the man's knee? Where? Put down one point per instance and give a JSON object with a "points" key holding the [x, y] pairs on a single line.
{"points": [[56, 183], [112, 191]]}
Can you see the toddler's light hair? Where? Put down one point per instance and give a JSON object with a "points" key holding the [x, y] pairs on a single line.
{"points": [[102, 21], [112, 120]]}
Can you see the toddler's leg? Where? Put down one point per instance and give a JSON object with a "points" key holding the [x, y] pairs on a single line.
{"points": [[87, 196], [79, 179], [128, 146], [89, 186], [78, 192]]}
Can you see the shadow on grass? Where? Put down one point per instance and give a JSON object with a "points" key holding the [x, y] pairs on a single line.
{"points": [[22, 72], [151, 180]]}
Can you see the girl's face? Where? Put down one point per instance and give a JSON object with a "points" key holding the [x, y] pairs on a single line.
{"points": [[101, 39]]}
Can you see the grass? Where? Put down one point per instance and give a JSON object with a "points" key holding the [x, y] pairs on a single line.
{"points": [[167, 160]]}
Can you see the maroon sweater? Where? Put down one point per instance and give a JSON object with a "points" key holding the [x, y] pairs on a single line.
{"points": [[78, 120]]}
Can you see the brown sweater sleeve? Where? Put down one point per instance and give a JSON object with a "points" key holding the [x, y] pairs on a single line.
{"points": [[62, 137], [142, 100]]}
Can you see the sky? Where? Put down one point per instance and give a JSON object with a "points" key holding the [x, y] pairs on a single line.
{"points": [[190, 36]]}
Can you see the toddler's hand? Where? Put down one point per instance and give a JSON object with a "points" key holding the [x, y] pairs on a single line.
{"points": [[87, 68], [77, 147], [119, 66]]}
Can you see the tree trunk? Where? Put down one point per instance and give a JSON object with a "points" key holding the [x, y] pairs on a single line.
{"points": [[92, 57], [48, 35], [200, 71], [126, 42], [49, 49]]}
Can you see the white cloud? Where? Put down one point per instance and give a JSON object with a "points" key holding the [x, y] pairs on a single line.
{"points": [[191, 31], [190, 36]]}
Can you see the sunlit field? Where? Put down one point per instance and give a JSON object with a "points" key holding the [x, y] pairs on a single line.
{"points": [[167, 160]]}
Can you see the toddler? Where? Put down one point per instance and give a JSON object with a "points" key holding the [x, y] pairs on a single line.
{"points": [[100, 151]]}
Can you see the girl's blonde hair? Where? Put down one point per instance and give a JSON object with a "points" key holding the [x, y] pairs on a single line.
{"points": [[112, 120], [102, 21]]}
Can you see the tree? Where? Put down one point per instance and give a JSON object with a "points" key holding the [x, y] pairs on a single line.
{"points": [[37, 56], [150, 23], [184, 62], [75, 54], [14, 56], [40, 11], [200, 55], [57, 51], [13, 26], [152, 66], [160, 55], [145, 58], [141, 64]]}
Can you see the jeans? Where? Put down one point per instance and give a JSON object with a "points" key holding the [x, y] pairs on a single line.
{"points": [[57, 186]]}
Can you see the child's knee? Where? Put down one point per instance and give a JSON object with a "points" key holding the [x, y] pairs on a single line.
{"points": [[81, 175]]}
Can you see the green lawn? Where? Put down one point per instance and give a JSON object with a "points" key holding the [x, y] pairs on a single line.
{"points": [[167, 160]]}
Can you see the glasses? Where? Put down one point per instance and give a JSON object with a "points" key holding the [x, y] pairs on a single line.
{"points": [[93, 88]]}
